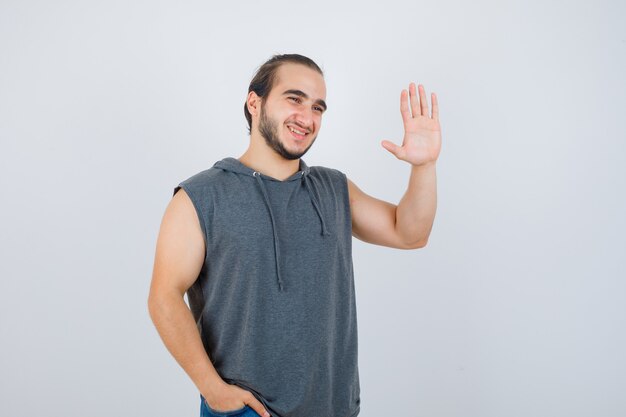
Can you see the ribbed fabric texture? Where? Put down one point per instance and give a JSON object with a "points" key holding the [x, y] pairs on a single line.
{"points": [[275, 301]]}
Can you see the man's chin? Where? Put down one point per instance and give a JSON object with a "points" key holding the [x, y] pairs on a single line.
{"points": [[286, 153], [298, 155], [290, 155], [293, 155]]}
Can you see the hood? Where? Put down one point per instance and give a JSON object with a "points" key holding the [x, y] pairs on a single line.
{"points": [[236, 166]]}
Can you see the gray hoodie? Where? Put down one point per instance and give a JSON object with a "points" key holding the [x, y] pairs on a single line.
{"points": [[275, 301]]}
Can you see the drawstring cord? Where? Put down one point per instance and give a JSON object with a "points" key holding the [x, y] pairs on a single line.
{"points": [[257, 175], [312, 195], [314, 201]]}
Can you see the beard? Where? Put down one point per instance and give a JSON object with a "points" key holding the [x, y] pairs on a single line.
{"points": [[268, 128]]}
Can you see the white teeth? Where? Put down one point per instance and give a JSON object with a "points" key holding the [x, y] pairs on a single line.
{"points": [[295, 130]]}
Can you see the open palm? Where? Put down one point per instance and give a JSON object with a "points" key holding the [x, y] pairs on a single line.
{"points": [[422, 133]]}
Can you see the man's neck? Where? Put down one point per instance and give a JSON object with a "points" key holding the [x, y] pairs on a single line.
{"points": [[266, 161]]}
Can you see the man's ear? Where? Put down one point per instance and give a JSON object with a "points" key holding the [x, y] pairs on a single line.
{"points": [[254, 103]]}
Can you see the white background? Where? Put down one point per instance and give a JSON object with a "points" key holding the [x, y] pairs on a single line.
{"points": [[515, 308]]}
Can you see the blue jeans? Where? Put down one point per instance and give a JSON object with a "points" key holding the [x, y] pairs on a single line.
{"points": [[206, 411]]}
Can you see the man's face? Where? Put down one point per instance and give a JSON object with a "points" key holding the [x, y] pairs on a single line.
{"points": [[296, 102]]}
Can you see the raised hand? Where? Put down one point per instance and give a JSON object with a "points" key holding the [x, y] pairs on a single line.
{"points": [[422, 134]]}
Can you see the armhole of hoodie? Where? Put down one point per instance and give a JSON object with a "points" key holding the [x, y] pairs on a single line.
{"points": [[345, 196], [197, 206]]}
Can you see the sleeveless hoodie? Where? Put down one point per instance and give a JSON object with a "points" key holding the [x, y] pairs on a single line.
{"points": [[274, 301]]}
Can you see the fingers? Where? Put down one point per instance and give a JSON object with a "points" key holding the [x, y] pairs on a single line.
{"points": [[414, 103], [393, 148], [404, 106], [257, 406], [423, 101], [418, 107]]}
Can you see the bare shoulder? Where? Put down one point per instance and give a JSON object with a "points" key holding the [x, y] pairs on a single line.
{"points": [[355, 194], [363, 200], [180, 205], [180, 247]]}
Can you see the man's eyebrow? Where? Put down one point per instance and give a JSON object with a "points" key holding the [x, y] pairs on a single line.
{"points": [[301, 93]]}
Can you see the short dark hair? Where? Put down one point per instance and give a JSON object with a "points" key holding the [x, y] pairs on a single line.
{"points": [[265, 76]]}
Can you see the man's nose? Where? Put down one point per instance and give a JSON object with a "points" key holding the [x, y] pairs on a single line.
{"points": [[305, 118]]}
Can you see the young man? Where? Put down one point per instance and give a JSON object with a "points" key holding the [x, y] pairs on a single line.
{"points": [[262, 247]]}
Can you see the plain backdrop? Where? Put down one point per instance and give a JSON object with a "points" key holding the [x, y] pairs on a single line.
{"points": [[516, 307]]}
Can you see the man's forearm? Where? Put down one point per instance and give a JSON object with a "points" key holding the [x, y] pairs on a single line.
{"points": [[415, 213], [177, 328]]}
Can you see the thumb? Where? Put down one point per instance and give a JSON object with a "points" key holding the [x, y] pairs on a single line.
{"points": [[257, 406], [392, 147]]}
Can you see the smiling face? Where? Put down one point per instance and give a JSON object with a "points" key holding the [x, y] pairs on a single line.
{"points": [[290, 117]]}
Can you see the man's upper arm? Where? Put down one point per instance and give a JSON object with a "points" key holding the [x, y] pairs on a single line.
{"points": [[180, 248], [374, 220]]}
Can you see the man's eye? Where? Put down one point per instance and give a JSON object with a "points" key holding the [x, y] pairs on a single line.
{"points": [[297, 99], [321, 110]]}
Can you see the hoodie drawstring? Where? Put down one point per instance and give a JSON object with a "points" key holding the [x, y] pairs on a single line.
{"points": [[316, 205], [257, 175], [314, 201]]}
